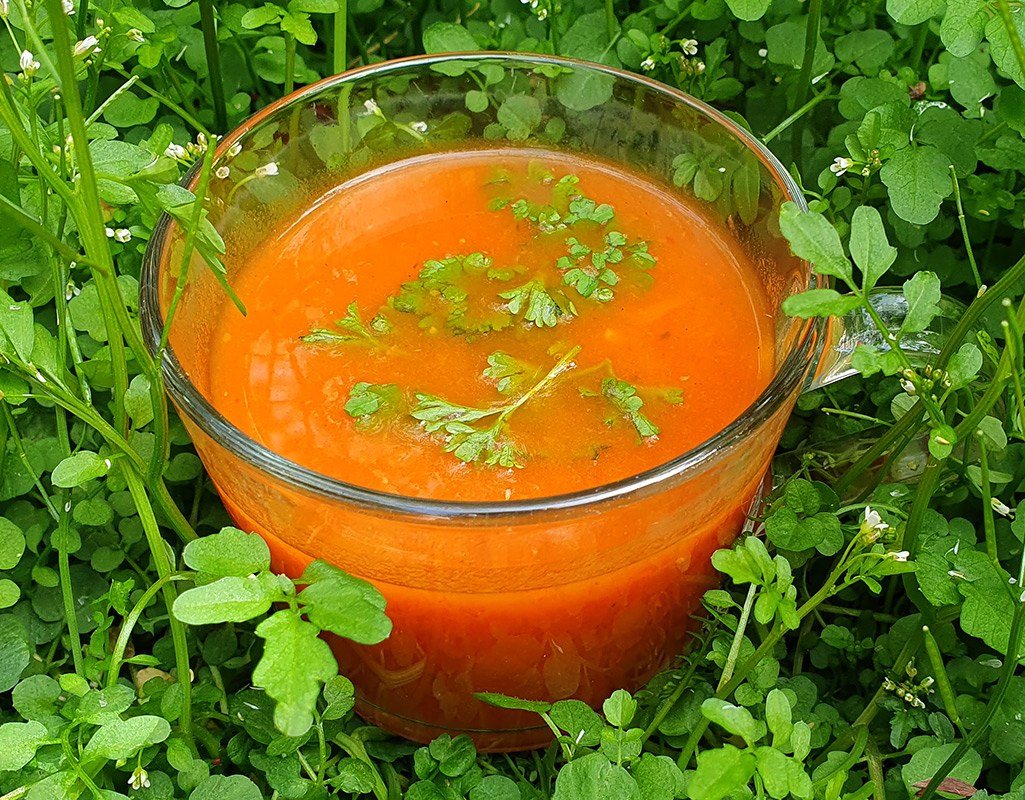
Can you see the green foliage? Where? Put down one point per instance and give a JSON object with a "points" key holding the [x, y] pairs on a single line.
{"points": [[198, 673]]}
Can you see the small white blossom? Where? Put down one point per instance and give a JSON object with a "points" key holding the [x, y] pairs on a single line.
{"points": [[648, 64], [1001, 508], [136, 35], [139, 779], [109, 232], [68, 6], [762, 53], [222, 172], [266, 169], [372, 108], [908, 387], [700, 67], [71, 290], [953, 573], [122, 235], [689, 47], [899, 555], [542, 14], [234, 150], [175, 151], [5, 8], [90, 44], [840, 165], [28, 64], [419, 127]]}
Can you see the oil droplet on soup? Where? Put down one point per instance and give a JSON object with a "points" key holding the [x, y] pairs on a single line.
{"points": [[489, 325]]}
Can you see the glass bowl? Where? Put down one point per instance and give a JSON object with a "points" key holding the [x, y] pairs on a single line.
{"points": [[574, 595]]}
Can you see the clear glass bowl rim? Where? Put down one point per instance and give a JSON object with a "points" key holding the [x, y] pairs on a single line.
{"points": [[188, 398]]}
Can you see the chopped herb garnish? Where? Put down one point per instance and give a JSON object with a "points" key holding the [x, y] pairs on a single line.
{"points": [[587, 269], [540, 304], [469, 443], [625, 400], [350, 328], [367, 399], [508, 373]]}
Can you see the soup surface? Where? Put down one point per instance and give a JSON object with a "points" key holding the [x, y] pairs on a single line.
{"points": [[491, 324]]}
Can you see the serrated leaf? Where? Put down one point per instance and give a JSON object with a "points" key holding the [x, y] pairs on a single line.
{"points": [[295, 663]]}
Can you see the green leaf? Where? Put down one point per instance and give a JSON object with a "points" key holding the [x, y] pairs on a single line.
{"points": [[912, 12], [124, 738], [991, 431], [820, 303], [16, 328], [9, 593], [12, 544], [772, 767], [138, 403], [748, 10], [226, 787], [869, 49], [814, 239], [520, 114], [1001, 49], [580, 722], [918, 179], [963, 25], [448, 37], [620, 708], [79, 468], [927, 761], [346, 606], [495, 787], [658, 777], [923, 295], [869, 247], [264, 15], [869, 360], [591, 777], [514, 703], [733, 718], [19, 742], [477, 101], [720, 773], [228, 552], [294, 665], [130, 109], [454, 756], [988, 606], [964, 365], [231, 599], [14, 651], [779, 717]]}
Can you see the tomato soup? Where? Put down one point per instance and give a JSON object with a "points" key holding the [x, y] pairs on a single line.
{"points": [[492, 325]]}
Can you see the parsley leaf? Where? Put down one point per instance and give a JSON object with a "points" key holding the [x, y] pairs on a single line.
{"points": [[351, 328], [508, 373], [539, 304], [366, 399], [624, 399], [490, 444]]}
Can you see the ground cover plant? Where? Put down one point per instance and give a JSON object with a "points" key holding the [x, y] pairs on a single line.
{"points": [[866, 641]]}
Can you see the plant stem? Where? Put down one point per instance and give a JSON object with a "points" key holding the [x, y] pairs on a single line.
{"points": [[341, 24], [610, 19], [1004, 12], [964, 228], [289, 63], [213, 64], [811, 40], [786, 123], [738, 636]]}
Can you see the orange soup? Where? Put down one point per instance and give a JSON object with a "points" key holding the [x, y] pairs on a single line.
{"points": [[490, 325]]}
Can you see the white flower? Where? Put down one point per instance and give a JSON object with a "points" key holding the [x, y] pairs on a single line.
{"points": [[174, 151], [234, 150], [109, 232], [648, 64], [90, 44], [201, 142], [68, 6], [840, 165], [419, 127], [5, 8], [1001, 508], [762, 53], [689, 47], [953, 573], [139, 779], [136, 35], [905, 384], [122, 235], [700, 67], [899, 555], [372, 108], [266, 169], [222, 172], [28, 64]]}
